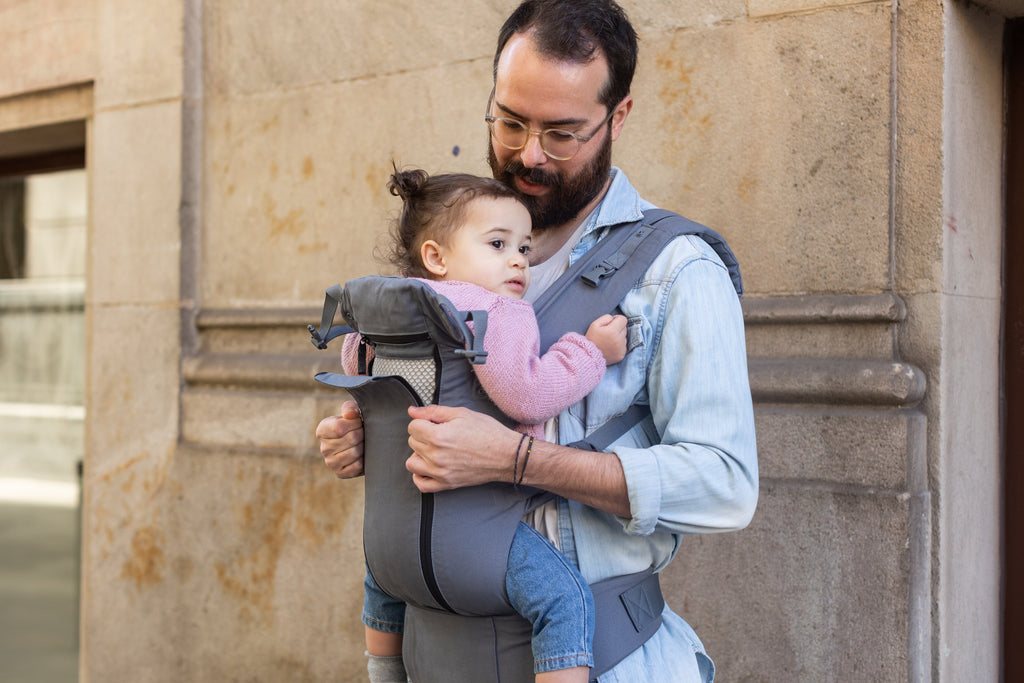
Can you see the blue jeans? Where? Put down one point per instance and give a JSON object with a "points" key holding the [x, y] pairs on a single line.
{"points": [[542, 586]]}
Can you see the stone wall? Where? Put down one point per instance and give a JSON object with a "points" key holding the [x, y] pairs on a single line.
{"points": [[237, 158]]}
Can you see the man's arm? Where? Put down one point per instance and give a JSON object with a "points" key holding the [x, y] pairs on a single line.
{"points": [[456, 447]]}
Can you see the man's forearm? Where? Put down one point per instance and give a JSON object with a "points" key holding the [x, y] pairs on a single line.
{"points": [[592, 478]]}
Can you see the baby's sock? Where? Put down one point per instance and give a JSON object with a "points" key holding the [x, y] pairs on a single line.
{"points": [[386, 669]]}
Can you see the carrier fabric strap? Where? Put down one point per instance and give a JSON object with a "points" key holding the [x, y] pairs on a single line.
{"points": [[600, 280], [607, 434], [327, 332], [628, 609], [440, 647], [602, 277]]}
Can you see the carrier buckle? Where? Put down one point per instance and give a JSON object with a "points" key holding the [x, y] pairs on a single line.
{"points": [[317, 340]]}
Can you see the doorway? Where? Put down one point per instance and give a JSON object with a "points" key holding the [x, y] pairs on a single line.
{"points": [[43, 226]]}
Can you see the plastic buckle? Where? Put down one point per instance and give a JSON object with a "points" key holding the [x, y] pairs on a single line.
{"points": [[599, 272], [317, 340]]}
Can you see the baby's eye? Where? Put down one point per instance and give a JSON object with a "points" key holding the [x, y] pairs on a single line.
{"points": [[498, 244], [525, 249]]}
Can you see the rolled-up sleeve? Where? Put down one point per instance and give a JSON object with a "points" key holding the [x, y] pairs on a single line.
{"points": [[702, 476]]}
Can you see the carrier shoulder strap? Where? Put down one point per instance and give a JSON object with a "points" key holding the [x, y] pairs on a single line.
{"points": [[602, 277]]}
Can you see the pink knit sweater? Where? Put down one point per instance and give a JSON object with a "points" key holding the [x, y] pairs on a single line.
{"points": [[527, 386]]}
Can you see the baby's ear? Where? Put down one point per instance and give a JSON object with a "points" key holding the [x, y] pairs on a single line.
{"points": [[432, 256]]}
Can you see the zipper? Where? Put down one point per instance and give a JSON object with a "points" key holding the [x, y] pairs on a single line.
{"points": [[426, 565]]}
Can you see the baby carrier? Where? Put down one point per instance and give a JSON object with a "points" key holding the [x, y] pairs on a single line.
{"points": [[445, 554]]}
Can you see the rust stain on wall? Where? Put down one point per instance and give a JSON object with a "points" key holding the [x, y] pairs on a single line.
{"points": [[291, 224], [146, 563], [324, 511], [262, 533], [683, 103]]}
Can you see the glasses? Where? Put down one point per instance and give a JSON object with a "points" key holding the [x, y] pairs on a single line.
{"points": [[558, 144]]}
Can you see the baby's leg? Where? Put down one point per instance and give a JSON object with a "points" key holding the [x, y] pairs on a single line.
{"points": [[384, 619], [550, 593]]}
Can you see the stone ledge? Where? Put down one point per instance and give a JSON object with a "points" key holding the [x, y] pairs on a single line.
{"points": [[265, 371], [866, 308], [845, 382], [857, 308], [257, 317]]}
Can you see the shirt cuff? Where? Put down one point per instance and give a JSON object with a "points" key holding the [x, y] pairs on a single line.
{"points": [[643, 484]]}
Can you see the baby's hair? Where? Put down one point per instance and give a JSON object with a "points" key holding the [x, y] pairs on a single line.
{"points": [[432, 208]]}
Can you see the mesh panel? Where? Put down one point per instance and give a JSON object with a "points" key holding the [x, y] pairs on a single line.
{"points": [[418, 372]]}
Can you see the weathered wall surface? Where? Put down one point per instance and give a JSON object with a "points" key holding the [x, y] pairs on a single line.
{"points": [[237, 156]]}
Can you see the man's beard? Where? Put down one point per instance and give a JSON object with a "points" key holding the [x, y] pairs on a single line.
{"points": [[568, 195]]}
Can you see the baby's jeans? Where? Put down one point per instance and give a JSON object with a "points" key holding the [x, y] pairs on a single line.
{"points": [[542, 586]]}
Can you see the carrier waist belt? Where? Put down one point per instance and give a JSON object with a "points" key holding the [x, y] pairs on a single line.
{"points": [[497, 649]]}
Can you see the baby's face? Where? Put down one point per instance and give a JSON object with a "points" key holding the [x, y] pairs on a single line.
{"points": [[491, 247]]}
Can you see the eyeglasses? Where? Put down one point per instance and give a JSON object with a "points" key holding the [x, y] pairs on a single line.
{"points": [[558, 144]]}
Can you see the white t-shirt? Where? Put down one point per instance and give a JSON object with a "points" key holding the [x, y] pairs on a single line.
{"points": [[545, 518]]}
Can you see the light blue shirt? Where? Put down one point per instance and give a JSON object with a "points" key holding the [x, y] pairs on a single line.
{"points": [[687, 360]]}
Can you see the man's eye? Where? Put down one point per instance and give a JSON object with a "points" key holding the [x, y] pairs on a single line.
{"points": [[511, 125], [556, 135]]}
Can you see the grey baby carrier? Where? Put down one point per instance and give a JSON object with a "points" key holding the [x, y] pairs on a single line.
{"points": [[445, 554]]}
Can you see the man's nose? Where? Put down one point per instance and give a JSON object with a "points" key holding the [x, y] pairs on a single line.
{"points": [[532, 154]]}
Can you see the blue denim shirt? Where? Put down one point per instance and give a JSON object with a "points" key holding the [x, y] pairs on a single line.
{"points": [[687, 360]]}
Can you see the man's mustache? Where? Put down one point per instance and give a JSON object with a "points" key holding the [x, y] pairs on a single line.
{"points": [[531, 175]]}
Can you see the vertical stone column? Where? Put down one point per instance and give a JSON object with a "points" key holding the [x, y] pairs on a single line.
{"points": [[133, 318]]}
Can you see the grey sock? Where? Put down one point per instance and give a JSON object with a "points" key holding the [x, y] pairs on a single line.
{"points": [[386, 669]]}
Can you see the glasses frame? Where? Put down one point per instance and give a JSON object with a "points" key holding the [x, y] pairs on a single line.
{"points": [[580, 139]]}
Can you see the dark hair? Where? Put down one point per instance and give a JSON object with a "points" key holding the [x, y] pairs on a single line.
{"points": [[432, 208], [574, 31]]}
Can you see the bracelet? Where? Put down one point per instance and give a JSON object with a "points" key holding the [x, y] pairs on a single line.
{"points": [[515, 466], [526, 459]]}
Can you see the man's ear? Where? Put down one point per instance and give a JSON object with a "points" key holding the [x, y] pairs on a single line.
{"points": [[619, 117], [433, 259]]}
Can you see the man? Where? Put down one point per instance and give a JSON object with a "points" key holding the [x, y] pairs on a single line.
{"points": [[562, 74]]}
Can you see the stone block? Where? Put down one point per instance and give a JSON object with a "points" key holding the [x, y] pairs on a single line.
{"points": [[853, 447], [918, 163], [970, 483], [139, 52], [658, 16], [232, 548], [762, 8], [816, 589], [46, 44], [266, 46], [819, 341], [250, 420], [973, 220], [775, 133], [135, 237], [295, 196], [132, 389]]}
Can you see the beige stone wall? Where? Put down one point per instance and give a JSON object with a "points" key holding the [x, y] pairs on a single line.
{"points": [[237, 159]]}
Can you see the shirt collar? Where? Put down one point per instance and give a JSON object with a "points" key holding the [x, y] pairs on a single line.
{"points": [[621, 204]]}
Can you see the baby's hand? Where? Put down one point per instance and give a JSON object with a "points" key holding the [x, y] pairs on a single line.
{"points": [[608, 334]]}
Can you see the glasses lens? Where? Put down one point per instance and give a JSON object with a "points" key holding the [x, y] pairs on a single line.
{"points": [[509, 132], [559, 144]]}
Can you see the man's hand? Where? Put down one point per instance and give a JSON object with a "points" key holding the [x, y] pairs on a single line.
{"points": [[456, 447], [608, 334], [341, 441]]}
